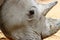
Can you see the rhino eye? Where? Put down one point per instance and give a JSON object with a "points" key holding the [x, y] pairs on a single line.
{"points": [[31, 12]]}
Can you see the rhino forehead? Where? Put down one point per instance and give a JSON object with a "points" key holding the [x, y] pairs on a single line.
{"points": [[23, 3]]}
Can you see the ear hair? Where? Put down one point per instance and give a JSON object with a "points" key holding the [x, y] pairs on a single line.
{"points": [[1, 2]]}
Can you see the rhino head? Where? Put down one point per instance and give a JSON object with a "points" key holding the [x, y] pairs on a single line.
{"points": [[23, 19]]}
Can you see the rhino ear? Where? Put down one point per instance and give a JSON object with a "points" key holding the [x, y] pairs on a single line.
{"points": [[1, 2]]}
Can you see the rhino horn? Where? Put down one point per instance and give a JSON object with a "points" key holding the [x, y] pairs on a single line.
{"points": [[47, 7]]}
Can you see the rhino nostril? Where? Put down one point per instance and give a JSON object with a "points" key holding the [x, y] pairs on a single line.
{"points": [[31, 12]]}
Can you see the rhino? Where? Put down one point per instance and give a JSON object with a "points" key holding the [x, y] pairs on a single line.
{"points": [[25, 20]]}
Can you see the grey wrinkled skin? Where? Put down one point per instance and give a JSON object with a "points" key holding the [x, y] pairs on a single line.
{"points": [[25, 20]]}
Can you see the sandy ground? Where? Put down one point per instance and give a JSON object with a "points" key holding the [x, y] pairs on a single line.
{"points": [[54, 13]]}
